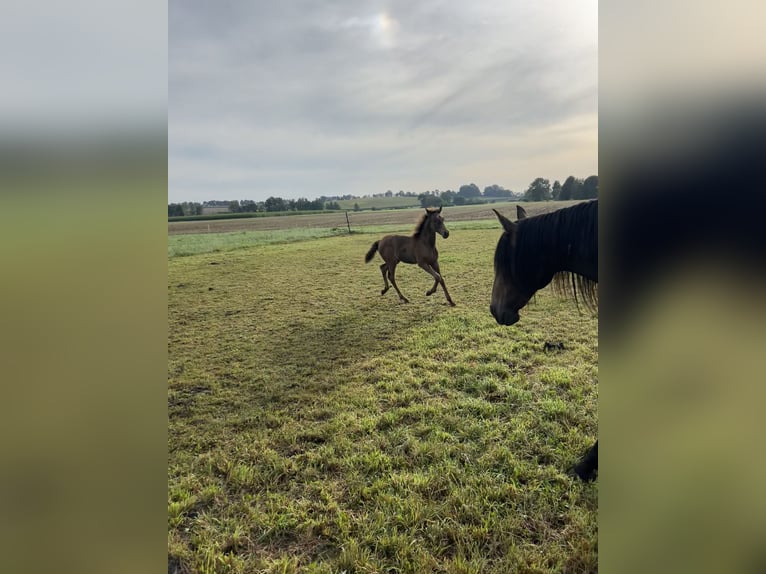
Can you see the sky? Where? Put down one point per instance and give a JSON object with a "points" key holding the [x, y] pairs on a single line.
{"points": [[305, 98]]}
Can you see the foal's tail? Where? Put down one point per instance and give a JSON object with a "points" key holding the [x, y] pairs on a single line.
{"points": [[371, 252]]}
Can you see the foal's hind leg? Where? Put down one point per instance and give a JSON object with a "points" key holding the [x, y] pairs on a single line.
{"points": [[392, 276], [384, 271]]}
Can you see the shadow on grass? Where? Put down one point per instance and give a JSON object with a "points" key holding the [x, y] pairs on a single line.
{"points": [[310, 356]]}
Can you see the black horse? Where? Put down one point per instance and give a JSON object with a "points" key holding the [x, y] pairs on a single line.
{"points": [[561, 248]]}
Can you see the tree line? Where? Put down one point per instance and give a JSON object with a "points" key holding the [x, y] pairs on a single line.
{"points": [[250, 206], [539, 190], [573, 188]]}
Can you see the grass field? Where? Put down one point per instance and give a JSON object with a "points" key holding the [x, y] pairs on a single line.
{"points": [[380, 202], [315, 426], [246, 215], [402, 217]]}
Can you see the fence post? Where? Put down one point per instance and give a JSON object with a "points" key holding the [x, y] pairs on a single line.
{"points": [[348, 223]]}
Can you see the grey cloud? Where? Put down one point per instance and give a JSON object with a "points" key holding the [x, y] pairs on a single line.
{"points": [[309, 95]]}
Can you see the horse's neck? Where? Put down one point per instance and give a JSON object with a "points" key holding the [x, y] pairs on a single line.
{"points": [[577, 256], [427, 237], [557, 254]]}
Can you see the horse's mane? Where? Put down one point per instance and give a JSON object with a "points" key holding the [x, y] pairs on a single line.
{"points": [[576, 224], [567, 284]]}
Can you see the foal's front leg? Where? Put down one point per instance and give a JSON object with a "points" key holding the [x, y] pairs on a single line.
{"points": [[432, 290], [438, 278]]}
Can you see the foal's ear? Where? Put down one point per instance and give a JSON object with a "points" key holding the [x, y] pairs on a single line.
{"points": [[440, 209], [507, 224], [521, 213]]}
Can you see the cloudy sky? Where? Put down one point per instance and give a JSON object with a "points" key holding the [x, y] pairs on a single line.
{"points": [[308, 98]]}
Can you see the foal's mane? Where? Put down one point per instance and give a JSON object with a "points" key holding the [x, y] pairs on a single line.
{"points": [[560, 227], [422, 221]]}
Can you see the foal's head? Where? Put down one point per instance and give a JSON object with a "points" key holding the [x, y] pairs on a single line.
{"points": [[435, 222], [509, 294]]}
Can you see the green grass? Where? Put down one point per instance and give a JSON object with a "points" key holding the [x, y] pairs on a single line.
{"points": [[195, 244], [315, 426], [199, 243]]}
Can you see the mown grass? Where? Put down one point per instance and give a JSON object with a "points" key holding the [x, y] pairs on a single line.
{"points": [[315, 426], [197, 243]]}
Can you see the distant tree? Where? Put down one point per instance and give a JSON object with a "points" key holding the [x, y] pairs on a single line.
{"points": [[275, 204], [332, 205], [389, 193], [589, 188], [469, 190], [191, 208], [356, 207], [538, 190], [570, 189], [234, 206], [497, 191], [316, 205], [429, 200], [556, 189], [447, 197], [303, 204], [248, 206], [459, 200]]}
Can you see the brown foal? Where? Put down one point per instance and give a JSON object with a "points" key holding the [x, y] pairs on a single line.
{"points": [[418, 248]]}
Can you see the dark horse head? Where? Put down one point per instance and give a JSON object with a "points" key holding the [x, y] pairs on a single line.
{"points": [[509, 294], [433, 221], [561, 246]]}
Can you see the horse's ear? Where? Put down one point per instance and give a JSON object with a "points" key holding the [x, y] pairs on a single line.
{"points": [[440, 209], [521, 213], [507, 224]]}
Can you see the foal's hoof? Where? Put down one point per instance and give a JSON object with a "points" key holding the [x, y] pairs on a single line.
{"points": [[405, 300], [383, 292], [451, 303], [429, 293]]}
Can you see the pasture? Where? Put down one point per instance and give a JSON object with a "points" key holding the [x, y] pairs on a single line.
{"points": [[379, 202], [315, 426]]}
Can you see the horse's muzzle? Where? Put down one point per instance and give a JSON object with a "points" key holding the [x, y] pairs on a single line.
{"points": [[445, 235], [505, 317]]}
